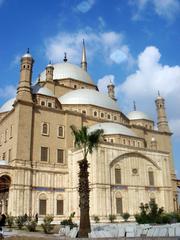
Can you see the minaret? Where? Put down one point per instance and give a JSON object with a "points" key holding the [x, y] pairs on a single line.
{"points": [[83, 60], [162, 119], [134, 105], [49, 72], [24, 87], [111, 92]]}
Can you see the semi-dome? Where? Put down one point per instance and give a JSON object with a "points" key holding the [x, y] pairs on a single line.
{"points": [[89, 97], [68, 70], [7, 106], [112, 128], [137, 115], [37, 89]]}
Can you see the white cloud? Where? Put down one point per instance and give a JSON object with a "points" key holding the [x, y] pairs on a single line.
{"points": [[118, 56], [106, 45], [85, 6], [8, 91], [150, 77], [167, 9], [103, 82]]}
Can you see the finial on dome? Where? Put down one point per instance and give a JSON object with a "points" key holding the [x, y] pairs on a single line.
{"points": [[50, 62], [27, 54], [65, 57], [110, 82], [134, 105], [83, 60], [158, 93]]}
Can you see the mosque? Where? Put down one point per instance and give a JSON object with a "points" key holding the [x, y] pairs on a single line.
{"points": [[39, 163]]}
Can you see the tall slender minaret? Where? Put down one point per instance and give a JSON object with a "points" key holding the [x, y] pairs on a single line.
{"points": [[134, 105], [24, 87], [83, 60], [111, 91], [49, 72], [161, 113]]}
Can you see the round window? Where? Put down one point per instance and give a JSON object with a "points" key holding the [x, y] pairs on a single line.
{"points": [[134, 171]]}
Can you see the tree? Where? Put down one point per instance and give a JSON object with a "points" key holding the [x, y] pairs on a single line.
{"points": [[87, 141]]}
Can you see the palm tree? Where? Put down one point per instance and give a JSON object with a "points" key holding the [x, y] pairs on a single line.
{"points": [[87, 141]]}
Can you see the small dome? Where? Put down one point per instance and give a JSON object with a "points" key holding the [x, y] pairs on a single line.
{"points": [[137, 115], [159, 97], [50, 65], [37, 89], [7, 106], [27, 55], [112, 128], [90, 97], [68, 70]]}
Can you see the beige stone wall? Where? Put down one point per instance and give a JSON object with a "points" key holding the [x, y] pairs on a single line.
{"points": [[144, 123], [102, 179], [8, 136]]}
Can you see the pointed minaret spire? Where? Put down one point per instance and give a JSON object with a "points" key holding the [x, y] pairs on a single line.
{"points": [[159, 93], [83, 60], [134, 105]]}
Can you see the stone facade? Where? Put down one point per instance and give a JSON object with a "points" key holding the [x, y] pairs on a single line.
{"points": [[39, 164]]}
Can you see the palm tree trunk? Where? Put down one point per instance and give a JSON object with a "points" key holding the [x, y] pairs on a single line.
{"points": [[84, 190]]}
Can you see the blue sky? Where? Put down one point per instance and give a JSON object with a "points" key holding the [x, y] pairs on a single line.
{"points": [[135, 43]]}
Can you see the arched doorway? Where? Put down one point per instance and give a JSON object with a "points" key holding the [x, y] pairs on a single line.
{"points": [[5, 182]]}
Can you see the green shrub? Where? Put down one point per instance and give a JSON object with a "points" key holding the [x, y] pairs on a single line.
{"points": [[96, 219], [10, 220], [125, 216], [112, 217], [47, 226], [31, 225], [20, 221], [149, 213], [69, 222]]}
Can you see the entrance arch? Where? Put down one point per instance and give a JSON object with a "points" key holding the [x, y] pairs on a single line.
{"points": [[5, 182]]}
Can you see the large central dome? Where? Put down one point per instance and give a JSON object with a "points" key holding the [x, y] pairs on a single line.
{"points": [[68, 70], [89, 96]]}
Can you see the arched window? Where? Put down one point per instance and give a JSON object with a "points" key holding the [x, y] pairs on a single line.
{"points": [[151, 177], [49, 104], [119, 204], [102, 115], [117, 175], [109, 116], [84, 112], [42, 103], [45, 129], [60, 205], [42, 204], [60, 131], [95, 114]]}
